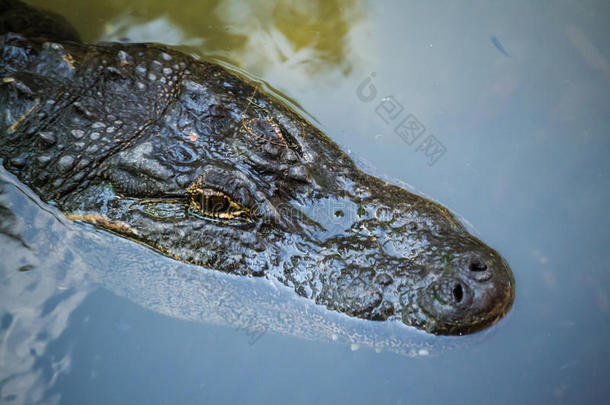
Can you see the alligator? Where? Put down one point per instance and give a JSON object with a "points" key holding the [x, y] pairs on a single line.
{"points": [[210, 167]]}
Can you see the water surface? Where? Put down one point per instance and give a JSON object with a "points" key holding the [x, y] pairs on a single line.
{"points": [[521, 145]]}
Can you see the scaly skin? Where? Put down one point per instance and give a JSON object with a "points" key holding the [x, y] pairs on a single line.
{"points": [[200, 164]]}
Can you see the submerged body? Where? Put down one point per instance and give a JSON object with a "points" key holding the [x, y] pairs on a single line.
{"points": [[198, 163]]}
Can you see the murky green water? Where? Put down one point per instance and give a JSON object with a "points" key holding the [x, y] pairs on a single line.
{"points": [[517, 100]]}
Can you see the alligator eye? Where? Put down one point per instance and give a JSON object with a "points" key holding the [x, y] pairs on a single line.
{"points": [[214, 204]]}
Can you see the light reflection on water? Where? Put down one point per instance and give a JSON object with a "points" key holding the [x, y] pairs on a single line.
{"points": [[526, 164]]}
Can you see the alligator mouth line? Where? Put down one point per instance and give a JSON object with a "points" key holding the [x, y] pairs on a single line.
{"points": [[119, 227], [160, 200]]}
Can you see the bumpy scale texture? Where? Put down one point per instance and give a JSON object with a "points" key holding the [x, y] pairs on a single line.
{"points": [[200, 164]]}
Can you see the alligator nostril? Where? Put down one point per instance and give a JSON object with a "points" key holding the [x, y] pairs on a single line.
{"points": [[477, 265], [458, 292]]}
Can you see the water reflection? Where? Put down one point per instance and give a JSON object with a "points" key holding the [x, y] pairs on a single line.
{"points": [[588, 51], [309, 36], [38, 294]]}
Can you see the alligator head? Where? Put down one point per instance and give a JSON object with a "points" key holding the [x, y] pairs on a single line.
{"points": [[205, 167]]}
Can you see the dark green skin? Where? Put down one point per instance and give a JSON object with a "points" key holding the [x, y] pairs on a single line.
{"points": [[123, 130]]}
